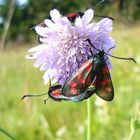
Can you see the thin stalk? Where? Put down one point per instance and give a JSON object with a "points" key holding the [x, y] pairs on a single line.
{"points": [[6, 133], [131, 134], [132, 129], [7, 22], [88, 119]]}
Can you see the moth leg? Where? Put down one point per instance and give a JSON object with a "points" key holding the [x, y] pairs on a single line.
{"points": [[46, 99]]}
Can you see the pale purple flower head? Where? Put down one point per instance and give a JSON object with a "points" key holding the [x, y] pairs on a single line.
{"points": [[64, 47]]}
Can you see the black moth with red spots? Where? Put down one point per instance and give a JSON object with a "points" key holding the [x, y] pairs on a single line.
{"points": [[77, 88], [56, 94], [93, 71], [71, 17]]}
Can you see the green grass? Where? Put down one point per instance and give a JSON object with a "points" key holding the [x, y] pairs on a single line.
{"points": [[31, 119]]}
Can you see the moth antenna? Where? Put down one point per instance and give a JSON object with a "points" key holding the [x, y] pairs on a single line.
{"points": [[92, 45], [42, 24], [38, 39], [105, 17], [98, 3], [102, 42], [33, 95], [59, 80], [110, 49], [123, 58], [91, 51], [32, 27], [49, 81]]}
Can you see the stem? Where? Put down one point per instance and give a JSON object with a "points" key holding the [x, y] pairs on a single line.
{"points": [[88, 120], [131, 134], [132, 130], [6, 133], [7, 22]]}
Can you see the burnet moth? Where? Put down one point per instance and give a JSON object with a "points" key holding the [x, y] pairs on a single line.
{"points": [[103, 83], [74, 15], [71, 17], [55, 93]]}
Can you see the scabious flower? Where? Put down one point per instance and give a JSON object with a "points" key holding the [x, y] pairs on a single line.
{"points": [[64, 45]]}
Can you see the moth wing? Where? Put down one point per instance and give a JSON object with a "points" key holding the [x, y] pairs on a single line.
{"points": [[89, 93], [103, 83], [56, 95], [80, 81]]}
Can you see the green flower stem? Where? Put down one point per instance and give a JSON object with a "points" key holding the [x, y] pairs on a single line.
{"points": [[131, 134], [132, 129], [6, 133], [88, 119]]}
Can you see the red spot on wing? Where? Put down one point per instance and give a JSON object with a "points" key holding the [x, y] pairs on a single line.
{"points": [[71, 15], [103, 94], [73, 91], [88, 68], [72, 84], [107, 89], [56, 93], [81, 79], [105, 82]]}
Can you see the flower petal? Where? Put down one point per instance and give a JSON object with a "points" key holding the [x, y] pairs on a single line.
{"points": [[47, 76], [106, 24], [87, 17], [50, 24], [78, 22], [38, 48], [55, 15], [40, 31]]}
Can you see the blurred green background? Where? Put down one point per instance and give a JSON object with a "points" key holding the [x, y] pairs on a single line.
{"points": [[31, 119]]}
